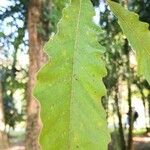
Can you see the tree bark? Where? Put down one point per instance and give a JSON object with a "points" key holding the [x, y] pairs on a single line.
{"points": [[2, 120], [122, 139], [144, 104], [130, 114], [36, 59], [3, 135], [130, 134]]}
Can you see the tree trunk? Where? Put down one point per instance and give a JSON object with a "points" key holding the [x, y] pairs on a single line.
{"points": [[121, 133], [2, 120], [130, 114], [130, 134], [3, 135], [36, 59], [144, 104]]}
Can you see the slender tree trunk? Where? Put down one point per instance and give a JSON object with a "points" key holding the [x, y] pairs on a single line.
{"points": [[130, 134], [114, 110], [105, 101], [3, 135], [122, 139], [37, 59], [2, 120], [144, 104]]}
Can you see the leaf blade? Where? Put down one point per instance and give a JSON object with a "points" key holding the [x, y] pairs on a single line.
{"points": [[69, 86], [138, 35]]}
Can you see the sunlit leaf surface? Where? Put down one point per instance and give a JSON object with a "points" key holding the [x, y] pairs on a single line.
{"points": [[69, 87], [137, 33]]}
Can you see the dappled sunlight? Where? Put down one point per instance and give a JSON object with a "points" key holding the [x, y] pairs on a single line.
{"points": [[141, 139], [16, 148]]}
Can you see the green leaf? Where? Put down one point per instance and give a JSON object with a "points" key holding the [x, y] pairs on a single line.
{"points": [[138, 35], [69, 86]]}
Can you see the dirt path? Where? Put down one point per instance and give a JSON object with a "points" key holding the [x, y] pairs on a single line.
{"points": [[16, 144], [16, 148], [142, 142]]}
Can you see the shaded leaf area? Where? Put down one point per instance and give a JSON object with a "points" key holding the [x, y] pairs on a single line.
{"points": [[69, 86], [137, 33]]}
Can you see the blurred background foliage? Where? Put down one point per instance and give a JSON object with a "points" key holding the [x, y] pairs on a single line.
{"points": [[127, 92]]}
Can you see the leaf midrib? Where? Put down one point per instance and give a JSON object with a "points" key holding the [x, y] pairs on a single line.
{"points": [[73, 70]]}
